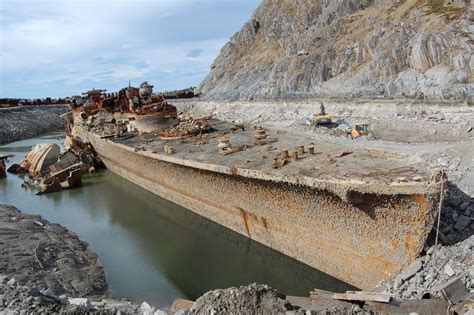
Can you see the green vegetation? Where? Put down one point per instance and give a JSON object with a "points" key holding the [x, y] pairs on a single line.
{"points": [[448, 12]]}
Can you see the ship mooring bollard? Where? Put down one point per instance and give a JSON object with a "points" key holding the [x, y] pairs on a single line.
{"points": [[301, 149]]}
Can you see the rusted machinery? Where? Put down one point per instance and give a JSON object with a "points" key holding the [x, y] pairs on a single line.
{"points": [[129, 100], [2, 167]]}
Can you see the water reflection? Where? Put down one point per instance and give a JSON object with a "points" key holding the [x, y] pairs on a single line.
{"points": [[155, 250]]}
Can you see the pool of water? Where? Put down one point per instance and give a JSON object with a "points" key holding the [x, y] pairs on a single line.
{"points": [[154, 250]]}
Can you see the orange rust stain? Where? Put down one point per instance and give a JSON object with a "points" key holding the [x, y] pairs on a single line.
{"points": [[411, 240], [245, 218], [265, 224], [411, 247], [233, 170]]}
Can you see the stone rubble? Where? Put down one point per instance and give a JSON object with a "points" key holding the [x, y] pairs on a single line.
{"points": [[255, 298], [430, 273], [20, 299], [456, 217], [29, 121]]}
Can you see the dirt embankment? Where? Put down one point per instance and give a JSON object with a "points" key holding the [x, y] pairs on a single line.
{"points": [[25, 122]]}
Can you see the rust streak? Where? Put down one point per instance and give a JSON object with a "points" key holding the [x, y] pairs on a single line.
{"points": [[264, 221], [245, 218]]}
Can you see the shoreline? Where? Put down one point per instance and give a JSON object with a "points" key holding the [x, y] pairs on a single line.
{"points": [[26, 286]]}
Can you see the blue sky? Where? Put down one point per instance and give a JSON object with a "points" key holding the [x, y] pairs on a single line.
{"points": [[63, 47]]}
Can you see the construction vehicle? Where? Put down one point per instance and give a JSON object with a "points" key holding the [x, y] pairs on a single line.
{"points": [[322, 118], [359, 130]]}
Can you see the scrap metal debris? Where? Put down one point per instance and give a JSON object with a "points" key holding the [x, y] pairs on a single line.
{"points": [[51, 171], [224, 145], [383, 303], [279, 163], [2, 167], [187, 128], [168, 150], [37, 160], [342, 153]]}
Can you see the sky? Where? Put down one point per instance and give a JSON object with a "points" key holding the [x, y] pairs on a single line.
{"points": [[59, 48]]}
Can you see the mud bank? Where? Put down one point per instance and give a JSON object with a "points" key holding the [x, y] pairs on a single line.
{"points": [[25, 122]]}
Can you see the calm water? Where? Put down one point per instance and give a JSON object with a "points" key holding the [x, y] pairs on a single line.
{"points": [[152, 249]]}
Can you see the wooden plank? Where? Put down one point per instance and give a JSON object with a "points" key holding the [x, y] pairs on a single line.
{"points": [[363, 296], [317, 294]]}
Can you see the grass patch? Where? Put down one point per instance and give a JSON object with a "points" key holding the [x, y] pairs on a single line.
{"points": [[448, 12]]}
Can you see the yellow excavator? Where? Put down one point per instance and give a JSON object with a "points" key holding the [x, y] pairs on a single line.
{"points": [[358, 131], [322, 118]]}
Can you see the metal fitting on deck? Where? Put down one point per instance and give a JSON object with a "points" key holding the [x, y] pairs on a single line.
{"points": [[224, 145], [301, 149], [168, 149], [260, 133]]}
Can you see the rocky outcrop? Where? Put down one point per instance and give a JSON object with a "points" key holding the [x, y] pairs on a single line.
{"points": [[47, 256], [348, 48], [24, 122]]}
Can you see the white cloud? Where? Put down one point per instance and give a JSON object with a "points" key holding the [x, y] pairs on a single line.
{"points": [[70, 44]]}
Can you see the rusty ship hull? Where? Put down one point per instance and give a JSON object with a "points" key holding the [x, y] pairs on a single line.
{"points": [[359, 232]]}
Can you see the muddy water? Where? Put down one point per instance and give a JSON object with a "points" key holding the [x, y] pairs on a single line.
{"points": [[153, 250]]}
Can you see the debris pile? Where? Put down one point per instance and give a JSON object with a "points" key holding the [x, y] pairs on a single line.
{"points": [[132, 100], [429, 274], [251, 299], [456, 217], [51, 171], [21, 299], [187, 128]]}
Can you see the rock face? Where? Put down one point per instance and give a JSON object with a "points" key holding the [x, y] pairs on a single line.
{"points": [[348, 48]]}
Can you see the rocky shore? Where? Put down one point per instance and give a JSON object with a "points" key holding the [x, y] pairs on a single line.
{"points": [[428, 274], [24, 122]]}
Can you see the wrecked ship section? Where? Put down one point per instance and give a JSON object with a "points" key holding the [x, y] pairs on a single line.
{"points": [[360, 215], [50, 170]]}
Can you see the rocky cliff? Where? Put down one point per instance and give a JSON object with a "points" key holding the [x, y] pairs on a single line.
{"points": [[348, 48]]}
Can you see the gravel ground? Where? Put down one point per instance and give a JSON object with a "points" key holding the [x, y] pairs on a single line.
{"points": [[252, 299]]}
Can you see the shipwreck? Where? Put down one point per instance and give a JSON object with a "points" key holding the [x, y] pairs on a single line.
{"points": [[357, 214]]}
